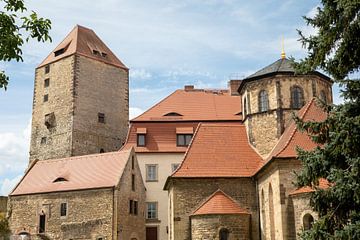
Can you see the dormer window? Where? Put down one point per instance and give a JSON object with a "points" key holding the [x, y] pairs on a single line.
{"points": [[59, 52], [141, 137], [60, 179], [96, 52], [172, 114], [184, 136], [103, 54]]}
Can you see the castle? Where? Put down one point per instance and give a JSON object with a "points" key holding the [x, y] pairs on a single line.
{"points": [[200, 164]]}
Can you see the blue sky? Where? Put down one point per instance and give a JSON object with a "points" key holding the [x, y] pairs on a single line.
{"points": [[166, 44]]}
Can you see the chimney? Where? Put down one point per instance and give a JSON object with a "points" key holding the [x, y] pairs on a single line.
{"points": [[189, 87], [234, 86]]}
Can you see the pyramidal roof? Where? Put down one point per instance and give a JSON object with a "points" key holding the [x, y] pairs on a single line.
{"points": [[85, 42], [283, 65], [219, 203]]}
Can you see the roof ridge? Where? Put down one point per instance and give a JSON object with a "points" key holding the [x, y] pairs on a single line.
{"points": [[157, 104], [82, 156], [187, 150], [306, 108]]}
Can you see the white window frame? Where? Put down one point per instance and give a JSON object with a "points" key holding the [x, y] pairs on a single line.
{"points": [[154, 177]]}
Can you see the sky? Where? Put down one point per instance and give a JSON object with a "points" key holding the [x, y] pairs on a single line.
{"points": [[166, 44]]}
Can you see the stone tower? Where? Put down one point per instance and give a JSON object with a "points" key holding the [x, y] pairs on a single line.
{"points": [[270, 95], [80, 103]]}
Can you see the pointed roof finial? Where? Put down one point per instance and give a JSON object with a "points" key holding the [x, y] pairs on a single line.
{"points": [[283, 55]]}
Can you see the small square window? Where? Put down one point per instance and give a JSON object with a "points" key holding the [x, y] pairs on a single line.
{"points": [[141, 140], [47, 68], [101, 117], [183, 139], [63, 209], [151, 210], [47, 82], [174, 166], [43, 140], [46, 97], [151, 172]]}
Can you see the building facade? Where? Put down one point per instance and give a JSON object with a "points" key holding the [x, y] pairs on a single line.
{"points": [[81, 102]]}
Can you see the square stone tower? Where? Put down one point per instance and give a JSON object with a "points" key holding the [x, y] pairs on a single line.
{"points": [[81, 99]]}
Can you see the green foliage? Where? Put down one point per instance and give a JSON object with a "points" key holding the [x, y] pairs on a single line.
{"points": [[335, 49], [4, 227], [15, 28]]}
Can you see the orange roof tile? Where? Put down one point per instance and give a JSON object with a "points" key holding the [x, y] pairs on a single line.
{"points": [[219, 203], [83, 41], [323, 184], [292, 137], [160, 137], [195, 105], [219, 150], [82, 172]]}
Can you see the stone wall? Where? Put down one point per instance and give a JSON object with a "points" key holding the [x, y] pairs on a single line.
{"points": [[3, 204], [89, 214], [209, 226], [301, 207], [187, 194], [55, 141], [275, 183], [265, 128], [131, 226], [99, 88]]}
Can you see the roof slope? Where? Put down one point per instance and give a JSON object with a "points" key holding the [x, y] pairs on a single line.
{"points": [[83, 41], [82, 172], [323, 184], [219, 203], [292, 137], [219, 150], [283, 65], [195, 105], [159, 137]]}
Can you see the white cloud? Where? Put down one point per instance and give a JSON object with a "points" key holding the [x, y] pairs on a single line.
{"points": [[8, 184], [134, 112], [139, 74]]}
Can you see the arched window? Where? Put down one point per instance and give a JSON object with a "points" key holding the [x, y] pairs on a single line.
{"points": [[224, 234], [323, 96], [263, 101], [308, 221], [271, 213], [297, 97]]}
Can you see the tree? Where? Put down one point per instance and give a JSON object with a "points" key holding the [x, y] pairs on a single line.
{"points": [[336, 50], [4, 227], [15, 28]]}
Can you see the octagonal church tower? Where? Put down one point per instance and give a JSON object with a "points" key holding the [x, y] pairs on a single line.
{"points": [[270, 95], [80, 103]]}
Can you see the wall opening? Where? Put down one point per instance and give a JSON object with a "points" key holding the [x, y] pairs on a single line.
{"points": [[308, 221], [224, 234]]}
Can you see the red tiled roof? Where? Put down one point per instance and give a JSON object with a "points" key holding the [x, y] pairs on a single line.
{"points": [[219, 203], [160, 137], [195, 105], [292, 137], [323, 184], [82, 172], [219, 150], [83, 41]]}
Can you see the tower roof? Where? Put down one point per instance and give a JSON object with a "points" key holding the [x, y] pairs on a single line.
{"points": [[85, 42], [219, 203], [283, 65]]}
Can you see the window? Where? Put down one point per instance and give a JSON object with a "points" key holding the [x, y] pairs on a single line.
{"points": [[42, 221], [101, 117], [323, 96], [297, 98], [43, 140], [96, 52], [308, 221], [133, 182], [183, 139], [263, 101], [59, 52], [244, 106], [50, 120], [151, 172], [47, 82], [63, 209], [141, 140], [46, 97], [224, 234], [174, 166], [101, 150], [60, 179], [151, 210], [47, 69], [132, 162], [133, 207]]}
